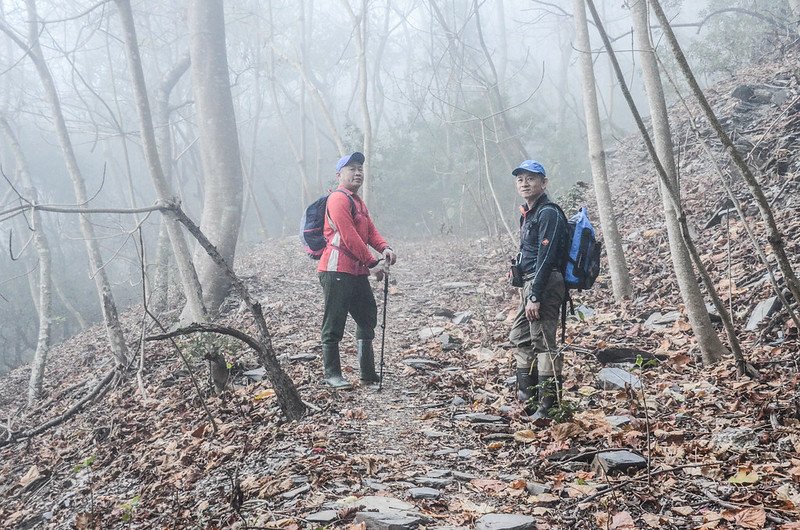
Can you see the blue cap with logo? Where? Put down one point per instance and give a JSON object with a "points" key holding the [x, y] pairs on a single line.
{"points": [[355, 158], [530, 165]]}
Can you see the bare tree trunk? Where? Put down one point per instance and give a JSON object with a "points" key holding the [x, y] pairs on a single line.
{"points": [[219, 143], [163, 131], [742, 366], [711, 347], [108, 305], [620, 279], [45, 298], [191, 285], [774, 235], [360, 28]]}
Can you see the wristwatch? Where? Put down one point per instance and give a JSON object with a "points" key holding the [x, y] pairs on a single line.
{"points": [[532, 299]]}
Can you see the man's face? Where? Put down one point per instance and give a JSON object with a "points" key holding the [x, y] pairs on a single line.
{"points": [[530, 185], [351, 177]]}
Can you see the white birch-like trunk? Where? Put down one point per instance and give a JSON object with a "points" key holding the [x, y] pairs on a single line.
{"points": [[191, 285], [711, 347], [108, 305], [620, 278], [219, 145], [43, 297]]}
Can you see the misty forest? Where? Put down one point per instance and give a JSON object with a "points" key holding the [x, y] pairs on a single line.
{"points": [[190, 339]]}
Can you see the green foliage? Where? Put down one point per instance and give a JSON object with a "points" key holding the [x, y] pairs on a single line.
{"points": [[562, 411], [641, 364], [129, 507], [87, 463]]}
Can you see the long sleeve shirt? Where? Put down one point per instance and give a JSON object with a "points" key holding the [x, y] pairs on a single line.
{"points": [[349, 236], [542, 243]]}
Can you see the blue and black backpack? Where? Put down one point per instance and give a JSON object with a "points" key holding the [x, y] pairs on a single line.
{"points": [[582, 261], [312, 225]]}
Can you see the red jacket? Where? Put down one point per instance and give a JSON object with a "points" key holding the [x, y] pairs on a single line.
{"points": [[349, 237]]}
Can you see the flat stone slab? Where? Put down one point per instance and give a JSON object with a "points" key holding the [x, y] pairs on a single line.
{"points": [[614, 379], [618, 421], [434, 434], [388, 521], [438, 473], [503, 521], [618, 461], [462, 317], [536, 488], [477, 417], [375, 503], [256, 374], [421, 363], [657, 320], [291, 494], [429, 332], [457, 285], [764, 309], [424, 493], [433, 482], [740, 438], [324, 517], [460, 475]]}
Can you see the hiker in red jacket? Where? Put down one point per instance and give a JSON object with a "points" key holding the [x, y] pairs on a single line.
{"points": [[344, 270]]}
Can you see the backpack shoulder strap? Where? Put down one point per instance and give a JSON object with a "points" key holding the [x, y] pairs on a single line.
{"points": [[350, 198]]}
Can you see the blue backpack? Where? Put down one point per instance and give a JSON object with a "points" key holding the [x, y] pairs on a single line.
{"points": [[312, 225], [582, 263]]}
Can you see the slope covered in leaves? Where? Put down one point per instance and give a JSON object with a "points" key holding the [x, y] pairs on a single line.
{"points": [[721, 452]]}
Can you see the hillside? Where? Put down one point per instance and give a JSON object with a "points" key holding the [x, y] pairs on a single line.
{"points": [[443, 444]]}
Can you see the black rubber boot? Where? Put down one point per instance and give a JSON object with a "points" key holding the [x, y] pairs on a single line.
{"points": [[548, 396], [526, 381], [366, 362], [333, 367]]}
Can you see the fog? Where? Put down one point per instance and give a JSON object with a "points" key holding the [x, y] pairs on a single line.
{"points": [[444, 96]]}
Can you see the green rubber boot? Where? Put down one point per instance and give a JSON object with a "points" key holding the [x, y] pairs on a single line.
{"points": [[366, 361], [333, 367]]}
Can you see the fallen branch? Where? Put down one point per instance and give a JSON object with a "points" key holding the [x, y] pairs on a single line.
{"points": [[98, 391]]}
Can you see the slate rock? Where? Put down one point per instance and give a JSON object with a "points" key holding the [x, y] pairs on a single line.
{"points": [[374, 503], [457, 401], [614, 378], [460, 475], [618, 421], [434, 434], [445, 451], [659, 321], [443, 312], [503, 521], [466, 453], [477, 417], [374, 484], [462, 317], [764, 309], [388, 521], [429, 332], [256, 374], [421, 363], [323, 517], [781, 96], [618, 461], [424, 493], [438, 473], [457, 285], [743, 92], [736, 438], [303, 357], [536, 488], [291, 494], [433, 482]]}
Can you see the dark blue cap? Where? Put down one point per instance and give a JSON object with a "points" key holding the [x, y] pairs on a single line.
{"points": [[530, 165]]}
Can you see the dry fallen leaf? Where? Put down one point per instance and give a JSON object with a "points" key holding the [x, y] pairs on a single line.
{"points": [[751, 518], [525, 436], [32, 475], [487, 484], [683, 510], [565, 431], [265, 394], [651, 520], [743, 476], [622, 521], [494, 446]]}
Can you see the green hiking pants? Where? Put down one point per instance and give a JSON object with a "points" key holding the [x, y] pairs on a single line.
{"points": [[346, 293], [536, 341]]}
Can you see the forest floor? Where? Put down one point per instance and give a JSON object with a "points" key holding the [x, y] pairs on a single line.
{"points": [[719, 450]]}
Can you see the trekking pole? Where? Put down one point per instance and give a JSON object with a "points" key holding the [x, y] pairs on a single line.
{"points": [[383, 322]]}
